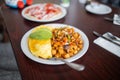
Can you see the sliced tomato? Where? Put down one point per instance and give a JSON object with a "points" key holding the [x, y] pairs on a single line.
{"points": [[29, 2], [20, 4]]}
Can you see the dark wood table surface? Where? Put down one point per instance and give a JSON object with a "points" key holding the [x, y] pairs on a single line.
{"points": [[100, 64]]}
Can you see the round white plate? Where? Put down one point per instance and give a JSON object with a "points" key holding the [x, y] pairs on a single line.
{"points": [[100, 9], [54, 18], [25, 49]]}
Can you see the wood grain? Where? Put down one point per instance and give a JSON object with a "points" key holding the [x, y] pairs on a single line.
{"points": [[100, 64]]}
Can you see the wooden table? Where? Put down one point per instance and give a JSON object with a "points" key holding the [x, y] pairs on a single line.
{"points": [[100, 64]]}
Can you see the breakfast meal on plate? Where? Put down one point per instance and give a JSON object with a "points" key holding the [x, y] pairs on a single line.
{"points": [[47, 42], [43, 11]]}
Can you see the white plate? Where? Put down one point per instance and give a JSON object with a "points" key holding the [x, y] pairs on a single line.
{"points": [[99, 9], [25, 49], [54, 18]]}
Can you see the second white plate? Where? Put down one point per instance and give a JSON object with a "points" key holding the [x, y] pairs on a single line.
{"points": [[100, 9], [53, 18]]}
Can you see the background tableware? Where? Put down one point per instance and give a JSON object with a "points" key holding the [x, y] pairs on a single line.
{"points": [[113, 37], [106, 38], [108, 45], [54, 18], [99, 9], [65, 3]]}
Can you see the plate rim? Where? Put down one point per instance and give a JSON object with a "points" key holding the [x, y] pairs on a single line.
{"points": [[99, 13], [52, 62], [64, 13]]}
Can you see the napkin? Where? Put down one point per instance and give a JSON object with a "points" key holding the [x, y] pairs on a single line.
{"points": [[107, 45], [116, 19]]}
